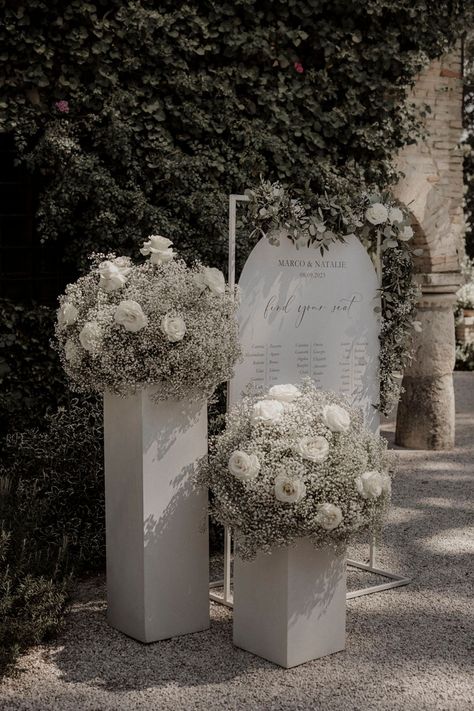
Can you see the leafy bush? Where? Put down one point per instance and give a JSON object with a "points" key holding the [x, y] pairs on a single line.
{"points": [[464, 356], [141, 116], [31, 377], [51, 521]]}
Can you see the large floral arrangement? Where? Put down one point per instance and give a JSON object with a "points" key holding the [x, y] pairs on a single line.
{"points": [[296, 462], [125, 325], [384, 228]]}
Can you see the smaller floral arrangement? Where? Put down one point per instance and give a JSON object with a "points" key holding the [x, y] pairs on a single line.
{"points": [[161, 323], [296, 462]]}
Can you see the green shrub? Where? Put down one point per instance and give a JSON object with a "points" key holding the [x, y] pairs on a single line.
{"points": [[51, 521], [465, 356], [32, 380]]}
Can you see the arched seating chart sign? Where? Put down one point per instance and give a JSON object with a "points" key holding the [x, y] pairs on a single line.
{"points": [[303, 314], [306, 315]]}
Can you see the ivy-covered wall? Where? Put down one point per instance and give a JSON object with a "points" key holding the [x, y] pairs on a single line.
{"points": [[144, 116]]}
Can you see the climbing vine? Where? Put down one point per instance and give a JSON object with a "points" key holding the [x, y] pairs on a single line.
{"points": [[140, 116]]}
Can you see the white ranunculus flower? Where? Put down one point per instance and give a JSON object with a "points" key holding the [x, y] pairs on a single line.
{"points": [[395, 215], [336, 418], [329, 516], [377, 213], [284, 393], [289, 489], [244, 466], [406, 233], [212, 279], [129, 314], [72, 351], [314, 449], [370, 484], [159, 249], [67, 314], [267, 411], [173, 327], [91, 337], [113, 275]]}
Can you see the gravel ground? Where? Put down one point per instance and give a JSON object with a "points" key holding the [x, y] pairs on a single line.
{"points": [[408, 648]]}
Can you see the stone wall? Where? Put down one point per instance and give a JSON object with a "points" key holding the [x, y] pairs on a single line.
{"points": [[433, 190]]}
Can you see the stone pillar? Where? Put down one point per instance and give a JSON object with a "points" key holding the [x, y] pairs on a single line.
{"points": [[425, 418]]}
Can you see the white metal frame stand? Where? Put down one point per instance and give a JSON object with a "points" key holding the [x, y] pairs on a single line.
{"points": [[225, 597]]}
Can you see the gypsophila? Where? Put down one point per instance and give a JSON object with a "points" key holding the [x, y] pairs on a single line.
{"points": [[296, 473], [126, 326]]}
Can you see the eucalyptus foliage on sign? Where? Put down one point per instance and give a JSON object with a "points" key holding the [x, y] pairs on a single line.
{"points": [[380, 223]]}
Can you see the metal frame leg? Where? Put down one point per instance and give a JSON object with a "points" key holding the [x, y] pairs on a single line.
{"points": [[226, 598]]}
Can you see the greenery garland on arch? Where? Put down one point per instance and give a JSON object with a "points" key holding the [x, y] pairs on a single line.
{"points": [[380, 223]]}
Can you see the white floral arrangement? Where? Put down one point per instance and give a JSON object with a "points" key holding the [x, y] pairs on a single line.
{"points": [[160, 323], [465, 296], [293, 463]]}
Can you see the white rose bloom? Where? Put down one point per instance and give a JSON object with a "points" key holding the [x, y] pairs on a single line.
{"points": [[67, 314], [113, 275], [284, 393], [159, 249], [173, 327], [406, 233], [377, 214], [329, 516], [289, 490], [91, 337], [129, 314], [267, 411], [212, 279], [395, 215], [314, 449], [336, 418], [370, 484], [72, 352], [244, 466]]}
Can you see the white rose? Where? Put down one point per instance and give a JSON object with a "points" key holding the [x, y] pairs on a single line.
{"points": [[284, 393], [112, 275], [395, 215], [289, 490], [129, 314], [377, 213], [173, 327], [212, 279], [329, 516], [244, 466], [159, 249], [406, 233], [67, 314], [91, 337], [72, 352], [336, 418], [267, 411], [315, 449], [370, 484]]}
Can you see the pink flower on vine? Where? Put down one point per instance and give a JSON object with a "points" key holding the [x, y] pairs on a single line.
{"points": [[62, 106], [299, 67]]}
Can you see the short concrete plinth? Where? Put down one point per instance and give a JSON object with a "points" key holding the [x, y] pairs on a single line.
{"points": [[290, 606]]}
